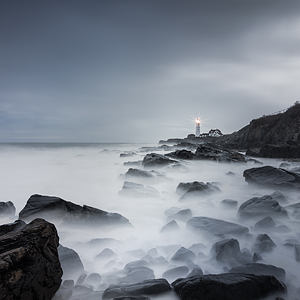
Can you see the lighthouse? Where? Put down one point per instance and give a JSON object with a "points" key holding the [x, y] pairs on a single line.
{"points": [[197, 121]]}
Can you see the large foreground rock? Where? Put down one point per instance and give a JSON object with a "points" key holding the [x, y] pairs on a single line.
{"points": [[227, 286], [147, 287], [216, 226], [214, 152], [57, 209], [156, 160], [272, 177], [29, 264]]}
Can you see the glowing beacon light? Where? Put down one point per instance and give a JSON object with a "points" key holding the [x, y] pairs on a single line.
{"points": [[197, 121]]}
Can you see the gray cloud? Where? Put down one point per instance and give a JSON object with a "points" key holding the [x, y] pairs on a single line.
{"points": [[143, 70]]}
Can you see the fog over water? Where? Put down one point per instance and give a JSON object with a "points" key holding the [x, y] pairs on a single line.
{"points": [[94, 175]]}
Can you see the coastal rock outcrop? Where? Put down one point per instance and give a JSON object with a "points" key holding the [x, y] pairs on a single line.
{"points": [[57, 209], [29, 263], [157, 160]]}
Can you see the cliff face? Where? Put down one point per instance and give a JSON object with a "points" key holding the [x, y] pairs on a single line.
{"points": [[280, 129]]}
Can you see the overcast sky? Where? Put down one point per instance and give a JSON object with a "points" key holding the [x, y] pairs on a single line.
{"points": [[139, 71]]}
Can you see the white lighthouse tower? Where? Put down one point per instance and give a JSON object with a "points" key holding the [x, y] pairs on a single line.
{"points": [[197, 121]]}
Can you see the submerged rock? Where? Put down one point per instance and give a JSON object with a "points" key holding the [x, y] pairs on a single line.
{"points": [[147, 287], [261, 206], [157, 160], [30, 268], [139, 173], [183, 255], [214, 152], [260, 269], [195, 272], [70, 262], [196, 188], [54, 208], [216, 226], [263, 243], [230, 203], [265, 223], [7, 209], [171, 226], [136, 274], [181, 215], [272, 177], [174, 273], [294, 210], [227, 286], [138, 190]]}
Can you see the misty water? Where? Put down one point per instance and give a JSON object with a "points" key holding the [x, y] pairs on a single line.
{"points": [[94, 175]]}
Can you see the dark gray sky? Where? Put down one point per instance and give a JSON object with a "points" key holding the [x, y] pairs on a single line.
{"points": [[139, 71]]}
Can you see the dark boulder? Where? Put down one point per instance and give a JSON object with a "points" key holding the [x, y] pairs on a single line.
{"points": [[70, 262], [156, 160], [29, 264], [214, 152], [263, 243], [181, 154], [15, 226], [148, 287], [261, 206], [260, 269], [7, 209], [175, 273], [229, 253], [272, 177], [227, 286], [216, 226], [275, 151], [54, 208], [196, 188]]}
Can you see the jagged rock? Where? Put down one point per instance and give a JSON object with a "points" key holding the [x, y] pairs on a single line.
{"points": [[138, 190], [227, 286], [147, 287], [7, 209], [29, 264], [263, 243], [230, 203], [214, 152], [196, 188], [139, 173], [261, 206], [106, 254], [157, 160], [181, 215], [70, 262], [183, 254], [272, 177], [195, 272], [260, 269], [216, 226], [181, 154], [174, 273], [265, 223], [171, 226], [229, 253], [57, 209], [15, 226]]}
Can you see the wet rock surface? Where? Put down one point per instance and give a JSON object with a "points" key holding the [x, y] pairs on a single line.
{"points": [[148, 287], [30, 268], [272, 177], [216, 226], [227, 286], [54, 208]]}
